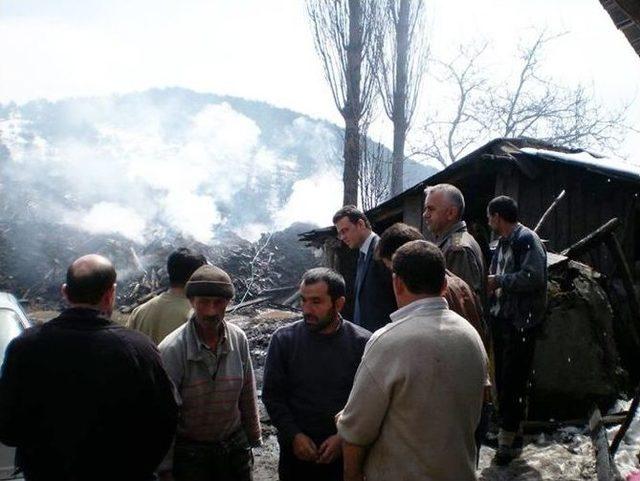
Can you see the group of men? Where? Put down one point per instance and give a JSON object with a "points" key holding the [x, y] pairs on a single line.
{"points": [[394, 393]]}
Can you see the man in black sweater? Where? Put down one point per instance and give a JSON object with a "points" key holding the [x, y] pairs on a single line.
{"points": [[83, 398], [308, 375]]}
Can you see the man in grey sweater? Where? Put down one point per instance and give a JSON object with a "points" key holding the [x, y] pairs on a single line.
{"points": [[308, 374], [418, 392]]}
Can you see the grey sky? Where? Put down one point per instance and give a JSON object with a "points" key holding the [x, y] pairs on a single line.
{"points": [[262, 49]]}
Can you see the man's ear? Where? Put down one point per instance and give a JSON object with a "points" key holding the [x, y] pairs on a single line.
{"points": [[109, 297], [452, 212], [340, 303], [63, 291], [399, 288], [444, 287]]}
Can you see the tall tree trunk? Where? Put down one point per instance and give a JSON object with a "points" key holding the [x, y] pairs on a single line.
{"points": [[351, 160], [400, 98], [353, 109]]}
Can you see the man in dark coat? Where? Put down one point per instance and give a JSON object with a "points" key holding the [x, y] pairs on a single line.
{"points": [[83, 398], [373, 299], [518, 287]]}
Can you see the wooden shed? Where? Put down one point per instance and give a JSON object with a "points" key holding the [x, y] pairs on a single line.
{"points": [[534, 173]]}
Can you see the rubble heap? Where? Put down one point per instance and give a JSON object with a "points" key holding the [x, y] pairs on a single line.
{"points": [[34, 257], [576, 362]]}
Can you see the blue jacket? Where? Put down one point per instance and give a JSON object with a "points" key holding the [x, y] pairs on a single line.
{"points": [[523, 300]]}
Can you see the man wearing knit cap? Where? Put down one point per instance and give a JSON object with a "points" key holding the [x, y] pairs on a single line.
{"points": [[209, 362]]}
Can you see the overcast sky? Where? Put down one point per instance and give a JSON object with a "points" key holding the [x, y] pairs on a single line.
{"points": [[262, 49]]}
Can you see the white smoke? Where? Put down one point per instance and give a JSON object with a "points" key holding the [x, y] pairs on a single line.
{"points": [[127, 169], [313, 200], [106, 218]]}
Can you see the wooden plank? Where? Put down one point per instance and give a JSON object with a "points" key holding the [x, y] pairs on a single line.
{"points": [[617, 439], [537, 426], [554, 259], [605, 467], [591, 241], [605, 189], [577, 228], [631, 8], [508, 182], [412, 210], [530, 200], [550, 214], [629, 201], [563, 211], [252, 302], [550, 196], [627, 280]]}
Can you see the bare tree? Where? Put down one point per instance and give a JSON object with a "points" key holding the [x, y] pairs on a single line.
{"points": [[348, 41], [447, 139], [401, 70], [375, 171], [532, 106]]}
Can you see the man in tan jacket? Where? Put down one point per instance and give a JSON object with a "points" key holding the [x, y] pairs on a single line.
{"points": [[418, 392], [168, 311]]}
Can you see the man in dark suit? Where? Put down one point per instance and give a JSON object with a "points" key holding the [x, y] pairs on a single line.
{"points": [[374, 299]]}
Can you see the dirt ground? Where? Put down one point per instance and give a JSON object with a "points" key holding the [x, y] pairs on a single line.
{"points": [[542, 460]]}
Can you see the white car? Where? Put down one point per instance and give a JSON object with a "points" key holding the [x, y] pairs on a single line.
{"points": [[13, 321]]}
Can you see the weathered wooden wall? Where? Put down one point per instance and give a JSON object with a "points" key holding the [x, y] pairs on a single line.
{"points": [[590, 201], [412, 210]]}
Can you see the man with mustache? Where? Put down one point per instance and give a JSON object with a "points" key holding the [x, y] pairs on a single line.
{"points": [[209, 362], [308, 374]]}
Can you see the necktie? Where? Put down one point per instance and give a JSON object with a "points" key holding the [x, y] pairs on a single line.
{"points": [[359, 275]]}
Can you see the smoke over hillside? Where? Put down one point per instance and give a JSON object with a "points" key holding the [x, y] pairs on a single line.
{"points": [[168, 159], [119, 174]]}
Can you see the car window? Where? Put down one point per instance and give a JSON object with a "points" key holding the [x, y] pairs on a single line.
{"points": [[10, 327]]}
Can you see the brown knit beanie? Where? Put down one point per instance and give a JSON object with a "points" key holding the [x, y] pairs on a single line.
{"points": [[209, 281]]}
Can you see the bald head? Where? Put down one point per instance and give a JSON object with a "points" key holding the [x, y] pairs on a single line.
{"points": [[89, 279]]}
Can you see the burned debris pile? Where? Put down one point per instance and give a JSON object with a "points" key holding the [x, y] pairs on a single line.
{"points": [[34, 257], [576, 363]]}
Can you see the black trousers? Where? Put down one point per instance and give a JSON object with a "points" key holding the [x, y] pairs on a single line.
{"points": [[225, 461], [513, 350], [291, 468]]}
